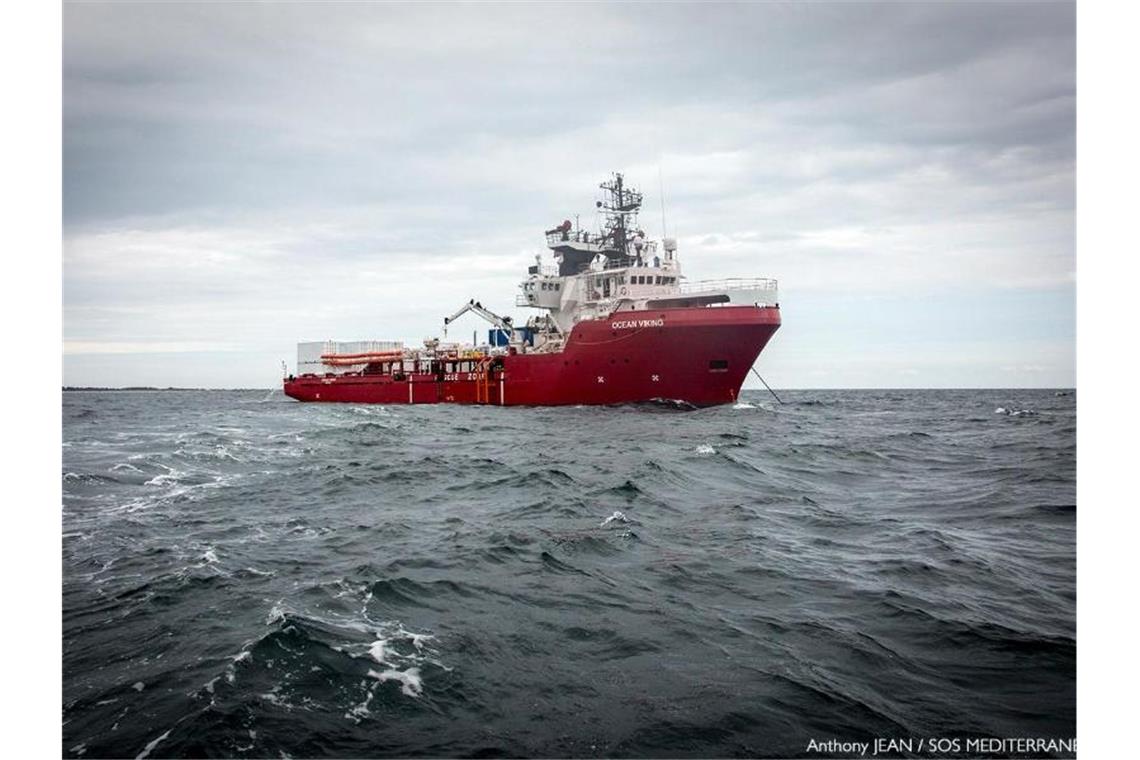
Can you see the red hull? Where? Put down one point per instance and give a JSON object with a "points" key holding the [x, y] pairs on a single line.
{"points": [[696, 355]]}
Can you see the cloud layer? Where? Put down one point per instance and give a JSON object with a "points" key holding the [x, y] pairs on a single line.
{"points": [[240, 177]]}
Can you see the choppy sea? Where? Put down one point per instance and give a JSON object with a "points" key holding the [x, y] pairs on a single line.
{"points": [[248, 576]]}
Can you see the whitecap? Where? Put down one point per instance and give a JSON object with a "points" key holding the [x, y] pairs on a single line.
{"points": [[743, 405], [165, 478], [704, 449], [410, 682], [360, 711], [275, 699], [138, 686], [418, 639], [615, 517], [147, 750], [378, 651], [1011, 412], [231, 669]]}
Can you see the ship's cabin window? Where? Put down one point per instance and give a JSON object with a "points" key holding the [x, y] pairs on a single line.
{"points": [[557, 285]]}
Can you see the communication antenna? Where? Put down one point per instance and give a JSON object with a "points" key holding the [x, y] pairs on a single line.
{"points": [[661, 185]]}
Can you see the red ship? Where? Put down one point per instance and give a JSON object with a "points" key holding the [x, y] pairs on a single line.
{"points": [[619, 326]]}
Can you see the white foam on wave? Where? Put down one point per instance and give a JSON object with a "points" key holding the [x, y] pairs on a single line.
{"points": [[231, 669], [1011, 412], [166, 478], [411, 684], [138, 686], [361, 711], [210, 555], [704, 449], [742, 405], [274, 697], [378, 651], [370, 411], [615, 517], [406, 669], [418, 639], [383, 653], [149, 747], [276, 614], [124, 466]]}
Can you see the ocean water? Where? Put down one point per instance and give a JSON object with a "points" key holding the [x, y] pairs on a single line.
{"points": [[244, 575]]}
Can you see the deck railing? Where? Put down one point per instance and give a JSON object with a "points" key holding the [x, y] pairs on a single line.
{"points": [[731, 283], [556, 238]]}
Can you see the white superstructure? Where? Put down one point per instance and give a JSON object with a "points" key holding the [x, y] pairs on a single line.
{"points": [[619, 270]]}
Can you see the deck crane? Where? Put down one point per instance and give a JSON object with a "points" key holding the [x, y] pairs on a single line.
{"points": [[503, 323]]}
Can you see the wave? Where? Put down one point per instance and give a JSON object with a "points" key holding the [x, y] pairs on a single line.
{"points": [[323, 580]]}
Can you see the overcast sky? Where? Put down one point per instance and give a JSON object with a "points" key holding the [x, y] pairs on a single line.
{"points": [[238, 177]]}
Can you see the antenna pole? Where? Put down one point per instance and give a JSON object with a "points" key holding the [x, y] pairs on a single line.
{"points": [[661, 184]]}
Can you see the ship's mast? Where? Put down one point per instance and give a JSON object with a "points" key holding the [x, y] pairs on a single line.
{"points": [[621, 207]]}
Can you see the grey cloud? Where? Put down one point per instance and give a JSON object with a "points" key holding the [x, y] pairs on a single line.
{"points": [[882, 145]]}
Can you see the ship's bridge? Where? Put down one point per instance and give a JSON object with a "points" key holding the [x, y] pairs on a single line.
{"points": [[542, 290], [630, 282]]}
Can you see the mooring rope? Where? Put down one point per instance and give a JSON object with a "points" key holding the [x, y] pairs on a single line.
{"points": [[766, 385]]}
